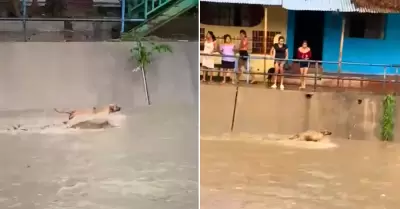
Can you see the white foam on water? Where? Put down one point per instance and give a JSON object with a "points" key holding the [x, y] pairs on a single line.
{"points": [[274, 139], [117, 119], [323, 144], [47, 125]]}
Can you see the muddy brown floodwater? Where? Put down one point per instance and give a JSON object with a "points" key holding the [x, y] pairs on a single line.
{"points": [[253, 175]]}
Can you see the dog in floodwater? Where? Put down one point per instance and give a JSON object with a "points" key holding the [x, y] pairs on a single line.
{"points": [[311, 135], [94, 118], [111, 108]]}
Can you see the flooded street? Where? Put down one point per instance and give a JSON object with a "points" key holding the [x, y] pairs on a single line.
{"points": [[148, 161], [114, 168], [251, 174]]}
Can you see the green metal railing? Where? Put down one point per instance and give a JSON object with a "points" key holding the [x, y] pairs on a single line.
{"points": [[141, 9], [133, 13], [170, 9]]}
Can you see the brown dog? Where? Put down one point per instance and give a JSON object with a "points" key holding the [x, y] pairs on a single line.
{"points": [[111, 108], [311, 135]]}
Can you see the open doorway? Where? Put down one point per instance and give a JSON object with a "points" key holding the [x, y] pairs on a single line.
{"points": [[309, 26]]}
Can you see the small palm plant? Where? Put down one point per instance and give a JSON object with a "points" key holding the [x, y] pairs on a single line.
{"points": [[143, 52]]}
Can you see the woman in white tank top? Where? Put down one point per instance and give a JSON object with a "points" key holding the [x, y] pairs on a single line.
{"points": [[208, 61]]}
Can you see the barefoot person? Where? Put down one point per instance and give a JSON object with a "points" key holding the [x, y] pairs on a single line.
{"points": [[227, 51], [208, 61], [304, 54], [280, 52], [244, 55]]}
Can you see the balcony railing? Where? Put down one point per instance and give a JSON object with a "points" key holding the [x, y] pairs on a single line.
{"points": [[387, 81]]}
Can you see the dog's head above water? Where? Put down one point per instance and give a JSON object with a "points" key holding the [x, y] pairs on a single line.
{"points": [[114, 108], [326, 132]]}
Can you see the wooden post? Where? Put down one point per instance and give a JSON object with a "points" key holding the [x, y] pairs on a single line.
{"points": [[265, 39], [341, 48]]}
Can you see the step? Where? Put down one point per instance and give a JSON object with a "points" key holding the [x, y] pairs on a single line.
{"points": [[165, 16]]}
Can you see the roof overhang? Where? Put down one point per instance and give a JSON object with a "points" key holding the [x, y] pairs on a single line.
{"points": [[331, 6], [360, 6], [385, 6], [258, 2]]}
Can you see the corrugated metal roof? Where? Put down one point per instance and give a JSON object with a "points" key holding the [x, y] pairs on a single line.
{"points": [[260, 2], [308, 5], [325, 5]]}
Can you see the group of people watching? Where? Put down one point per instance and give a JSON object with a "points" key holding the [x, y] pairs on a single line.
{"points": [[228, 50]]}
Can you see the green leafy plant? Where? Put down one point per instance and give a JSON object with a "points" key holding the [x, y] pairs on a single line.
{"points": [[387, 123], [143, 51]]}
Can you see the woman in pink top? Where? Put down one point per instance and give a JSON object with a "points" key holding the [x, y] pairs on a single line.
{"points": [[227, 50], [304, 54]]}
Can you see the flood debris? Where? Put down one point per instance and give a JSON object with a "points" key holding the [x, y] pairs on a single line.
{"points": [[20, 127]]}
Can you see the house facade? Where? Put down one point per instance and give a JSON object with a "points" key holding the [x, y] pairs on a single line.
{"points": [[370, 38], [268, 20]]}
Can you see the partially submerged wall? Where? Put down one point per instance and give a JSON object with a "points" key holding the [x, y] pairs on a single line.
{"points": [[261, 111], [216, 108], [38, 75]]}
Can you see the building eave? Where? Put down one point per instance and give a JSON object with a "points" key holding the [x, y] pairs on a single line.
{"points": [[257, 2], [330, 6], [360, 6], [392, 6]]}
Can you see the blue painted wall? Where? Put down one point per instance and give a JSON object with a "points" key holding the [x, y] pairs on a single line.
{"points": [[290, 32], [373, 51], [359, 50]]}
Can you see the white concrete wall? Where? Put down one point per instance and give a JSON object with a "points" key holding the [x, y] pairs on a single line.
{"points": [[46, 75]]}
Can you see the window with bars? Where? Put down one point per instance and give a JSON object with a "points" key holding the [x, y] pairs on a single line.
{"points": [[371, 26], [258, 41], [202, 38]]}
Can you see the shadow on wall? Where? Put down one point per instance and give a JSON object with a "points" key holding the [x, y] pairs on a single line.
{"points": [[180, 28], [261, 111]]}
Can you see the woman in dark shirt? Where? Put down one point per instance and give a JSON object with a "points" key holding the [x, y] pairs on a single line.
{"points": [[244, 55], [303, 53], [280, 52], [243, 47]]}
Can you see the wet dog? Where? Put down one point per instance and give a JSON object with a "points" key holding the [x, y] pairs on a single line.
{"points": [[111, 108], [310, 135], [95, 117]]}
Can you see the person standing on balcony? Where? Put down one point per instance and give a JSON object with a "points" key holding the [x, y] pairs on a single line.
{"points": [[244, 54], [280, 53], [227, 51], [243, 47], [208, 61], [303, 54], [13, 7]]}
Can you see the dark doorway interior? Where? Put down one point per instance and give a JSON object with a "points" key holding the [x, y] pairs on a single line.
{"points": [[309, 26]]}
